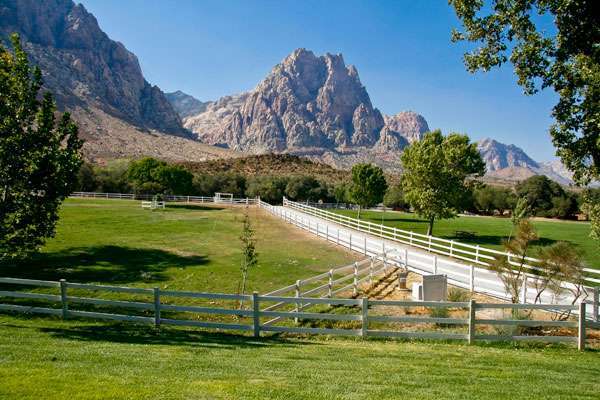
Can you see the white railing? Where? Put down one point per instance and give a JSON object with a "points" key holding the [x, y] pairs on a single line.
{"points": [[170, 198], [157, 307], [464, 275], [475, 254]]}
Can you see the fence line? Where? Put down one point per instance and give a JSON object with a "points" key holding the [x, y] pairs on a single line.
{"points": [[471, 253], [367, 322], [169, 197], [467, 276]]}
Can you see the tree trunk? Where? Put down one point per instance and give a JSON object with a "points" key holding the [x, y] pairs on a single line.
{"points": [[430, 226]]}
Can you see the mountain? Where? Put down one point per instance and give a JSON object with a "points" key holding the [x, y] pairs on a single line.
{"points": [[309, 105], [185, 105], [99, 81], [499, 156], [509, 163]]}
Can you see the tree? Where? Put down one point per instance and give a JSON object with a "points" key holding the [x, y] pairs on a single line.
{"points": [[511, 269], [152, 176], [435, 175], [270, 189], [566, 59], [394, 198], [39, 157], [86, 178], [306, 188], [368, 185], [249, 254], [546, 198]]}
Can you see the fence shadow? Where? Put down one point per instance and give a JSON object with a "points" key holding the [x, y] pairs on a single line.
{"points": [[131, 334], [106, 264]]}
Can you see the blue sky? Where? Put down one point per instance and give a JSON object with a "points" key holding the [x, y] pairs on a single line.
{"points": [[402, 51]]}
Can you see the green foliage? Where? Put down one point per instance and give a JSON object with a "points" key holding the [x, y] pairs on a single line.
{"points": [[270, 189], [546, 198], [307, 188], [458, 295], [86, 178], [152, 176], [224, 182], [39, 157], [566, 59], [490, 199], [435, 172], [591, 207], [394, 198], [249, 254], [341, 193], [368, 185]]}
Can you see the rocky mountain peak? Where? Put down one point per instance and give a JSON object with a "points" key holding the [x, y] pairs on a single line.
{"points": [[83, 67], [499, 156]]}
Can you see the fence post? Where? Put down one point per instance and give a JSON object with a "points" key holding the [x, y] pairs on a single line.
{"points": [[477, 254], [472, 278], [365, 245], [410, 238], [255, 315], [472, 305], [338, 236], [406, 258], [429, 249], [350, 241], [435, 264], [63, 298], [156, 307], [330, 284], [365, 316], [297, 302], [451, 248], [595, 305], [327, 232], [355, 285], [317, 232], [524, 291], [371, 272], [581, 330]]}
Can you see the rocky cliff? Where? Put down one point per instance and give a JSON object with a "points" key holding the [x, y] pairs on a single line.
{"points": [[186, 105], [98, 80], [310, 105]]}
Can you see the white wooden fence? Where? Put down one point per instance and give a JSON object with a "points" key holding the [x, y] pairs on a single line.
{"points": [[170, 198], [474, 254], [460, 273], [367, 318]]}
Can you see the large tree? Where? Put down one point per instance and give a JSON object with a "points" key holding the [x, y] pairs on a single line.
{"points": [[435, 175], [368, 185], [39, 157], [551, 44]]}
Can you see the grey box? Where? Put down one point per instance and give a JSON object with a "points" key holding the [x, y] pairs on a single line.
{"points": [[435, 287]]}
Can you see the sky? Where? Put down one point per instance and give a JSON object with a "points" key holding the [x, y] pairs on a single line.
{"points": [[401, 48]]}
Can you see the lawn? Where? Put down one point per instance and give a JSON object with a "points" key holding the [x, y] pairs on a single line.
{"points": [[51, 359], [184, 247], [490, 231]]}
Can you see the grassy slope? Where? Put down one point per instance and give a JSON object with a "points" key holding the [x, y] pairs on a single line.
{"points": [[50, 359], [183, 248], [490, 230]]}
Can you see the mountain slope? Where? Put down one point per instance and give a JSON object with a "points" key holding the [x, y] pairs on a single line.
{"points": [[99, 81]]}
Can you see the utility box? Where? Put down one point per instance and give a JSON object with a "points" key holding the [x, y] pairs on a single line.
{"points": [[435, 287], [417, 291]]}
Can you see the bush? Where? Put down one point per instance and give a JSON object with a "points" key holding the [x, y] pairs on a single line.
{"points": [[458, 295]]}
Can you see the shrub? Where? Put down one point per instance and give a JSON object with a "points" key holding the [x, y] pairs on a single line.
{"points": [[458, 295]]}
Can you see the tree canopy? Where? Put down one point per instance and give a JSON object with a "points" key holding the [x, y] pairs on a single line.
{"points": [[368, 185], [566, 59], [152, 176], [435, 172], [39, 156]]}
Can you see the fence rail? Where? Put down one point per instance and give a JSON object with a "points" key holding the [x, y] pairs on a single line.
{"points": [[171, 198], [475, 254], [363, 314]]}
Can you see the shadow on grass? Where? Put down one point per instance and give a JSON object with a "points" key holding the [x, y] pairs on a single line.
{"points": [[110, 264], [194, 207], [131, 334]]}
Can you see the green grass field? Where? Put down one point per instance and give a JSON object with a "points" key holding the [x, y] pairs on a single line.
{"points": [[491, 231], [191, 248], [181, 248], [50, 359]]}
